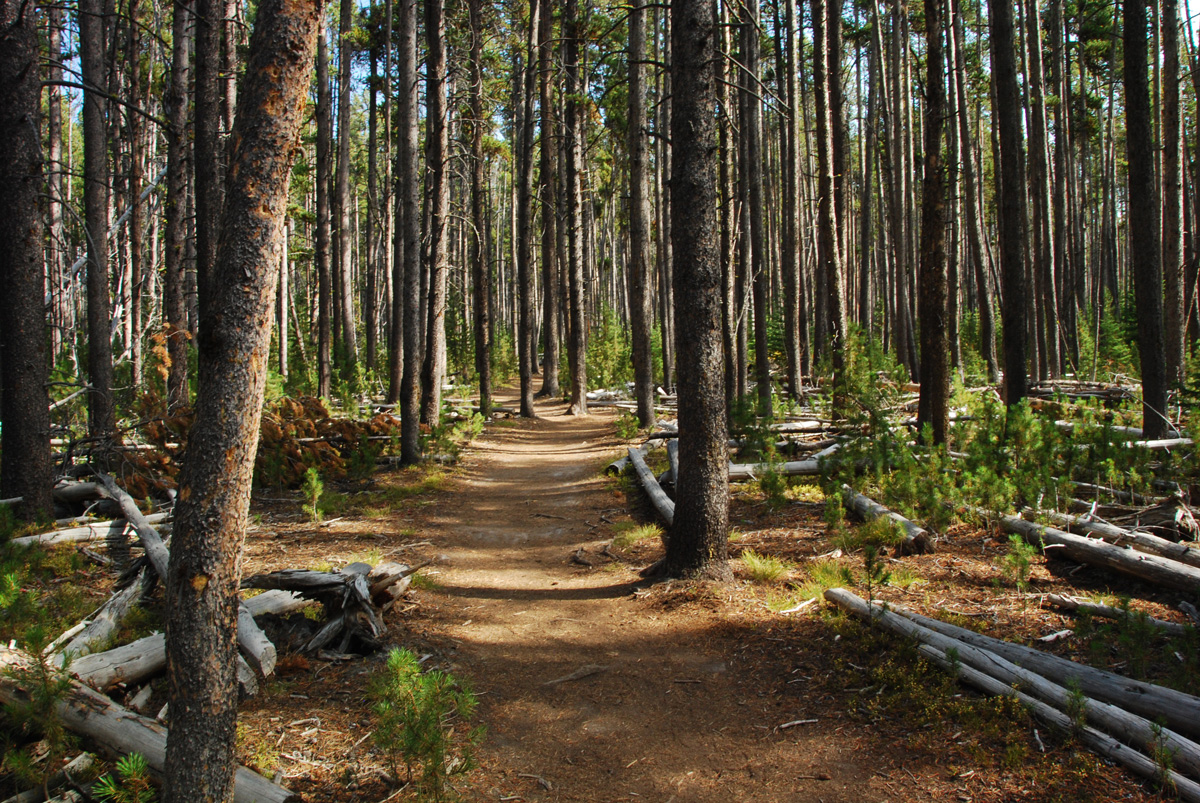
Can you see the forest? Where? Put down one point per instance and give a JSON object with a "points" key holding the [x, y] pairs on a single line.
{"points": [[933, 267]]}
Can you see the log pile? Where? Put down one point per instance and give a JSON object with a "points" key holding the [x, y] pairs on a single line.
{"points": [[1119, 717]]}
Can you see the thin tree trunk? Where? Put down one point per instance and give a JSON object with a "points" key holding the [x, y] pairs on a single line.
{"points": [[481, 286], [549, 203], [436, 152], [641, 297], [1172, 185], [934, 404], [1144, 231], [175, 233], [752, 139], [577, 322], [324, 259], [210, 519], [1011, 194], [345, 205], [101, 412]]}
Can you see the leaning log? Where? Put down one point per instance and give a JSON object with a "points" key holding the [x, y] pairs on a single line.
{"points": [[1180, 712], [103, 625], [140, 660], [1142, 542], [1077, 605], [1151, 568], [658, 497], [1129, 728], [96, 531], [916, 541], [118, 731]]}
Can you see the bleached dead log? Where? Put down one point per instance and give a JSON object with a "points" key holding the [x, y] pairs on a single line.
{"points": [[658, 497], [350, 607], [118, 731], [1100, 743], [1075, 605], [73, 493], [256, 649], [97, 531], [1151, 568], [617, 466], [247, 679], [140, 660], [1180, 712], [1129, 728], [673, 460], [103, 625], [1142, 542], [742, 472], [1115, 493], [916, 541]]}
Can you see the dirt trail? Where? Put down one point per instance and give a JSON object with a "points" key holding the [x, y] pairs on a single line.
{"points": [[658, 703]]}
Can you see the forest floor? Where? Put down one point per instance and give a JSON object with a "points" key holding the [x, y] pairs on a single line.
{"points": [[596, 685]]}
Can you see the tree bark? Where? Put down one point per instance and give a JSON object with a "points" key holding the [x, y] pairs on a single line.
{"points": [[701, 525], [204, 569], [933, 407], [437, 145], [641, 297], [1010, 191], [547, 181], [175, 235], [406, 329], [481, 278], [101, 411], [1144, 231], [345, 205], [323, 256], [754, 219], [1172, 186], [577, 320], [25, 467]]}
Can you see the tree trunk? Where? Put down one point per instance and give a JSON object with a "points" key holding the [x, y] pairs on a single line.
{"points": [[345, 204], [1144, 231], [754, 220], [323, 257], [481, 279], [701, 523], [934, 404], [203, 574], [436, 153], [1010, 191], [577, 320], [641, 297], [175, 234], [406, 267], [1172, 237], [101, 412], [25, 467], [547, 181], [206, 187]]}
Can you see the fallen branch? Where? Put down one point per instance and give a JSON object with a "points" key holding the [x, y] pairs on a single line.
{"points": [[118, 731], [1129, 728], [658, 497], [917, 540], [1076, 605], [97, 531], [1143, 542]]}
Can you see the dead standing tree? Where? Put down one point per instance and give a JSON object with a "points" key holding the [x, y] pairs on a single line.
{"points": [[202, 586]]}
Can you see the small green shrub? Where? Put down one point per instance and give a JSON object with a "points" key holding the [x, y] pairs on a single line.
{"points": [[1017, 562], [132, 784], [764, 568], [414, 710], [626, 426], [312, 489]]}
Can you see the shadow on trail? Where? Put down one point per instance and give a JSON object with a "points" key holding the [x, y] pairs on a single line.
{"points": [[531, 594]]}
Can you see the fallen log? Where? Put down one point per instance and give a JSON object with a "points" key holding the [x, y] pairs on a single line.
{"points": [[916, 541], [1129, 728], [1152, 568], [118, 731], [1180, 712], [617, 466], [658, 497], [1076, 605], [1171, 519], [1143, 542], [102, 626], [140, 660], [1100, 743], [78, 767], [673, 461], [353, 598], [1115, 493], [97, 531], [742, 472], [251, 640]]}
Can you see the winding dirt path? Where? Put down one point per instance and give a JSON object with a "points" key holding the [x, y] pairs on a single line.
{"points": [[592, 687]]}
